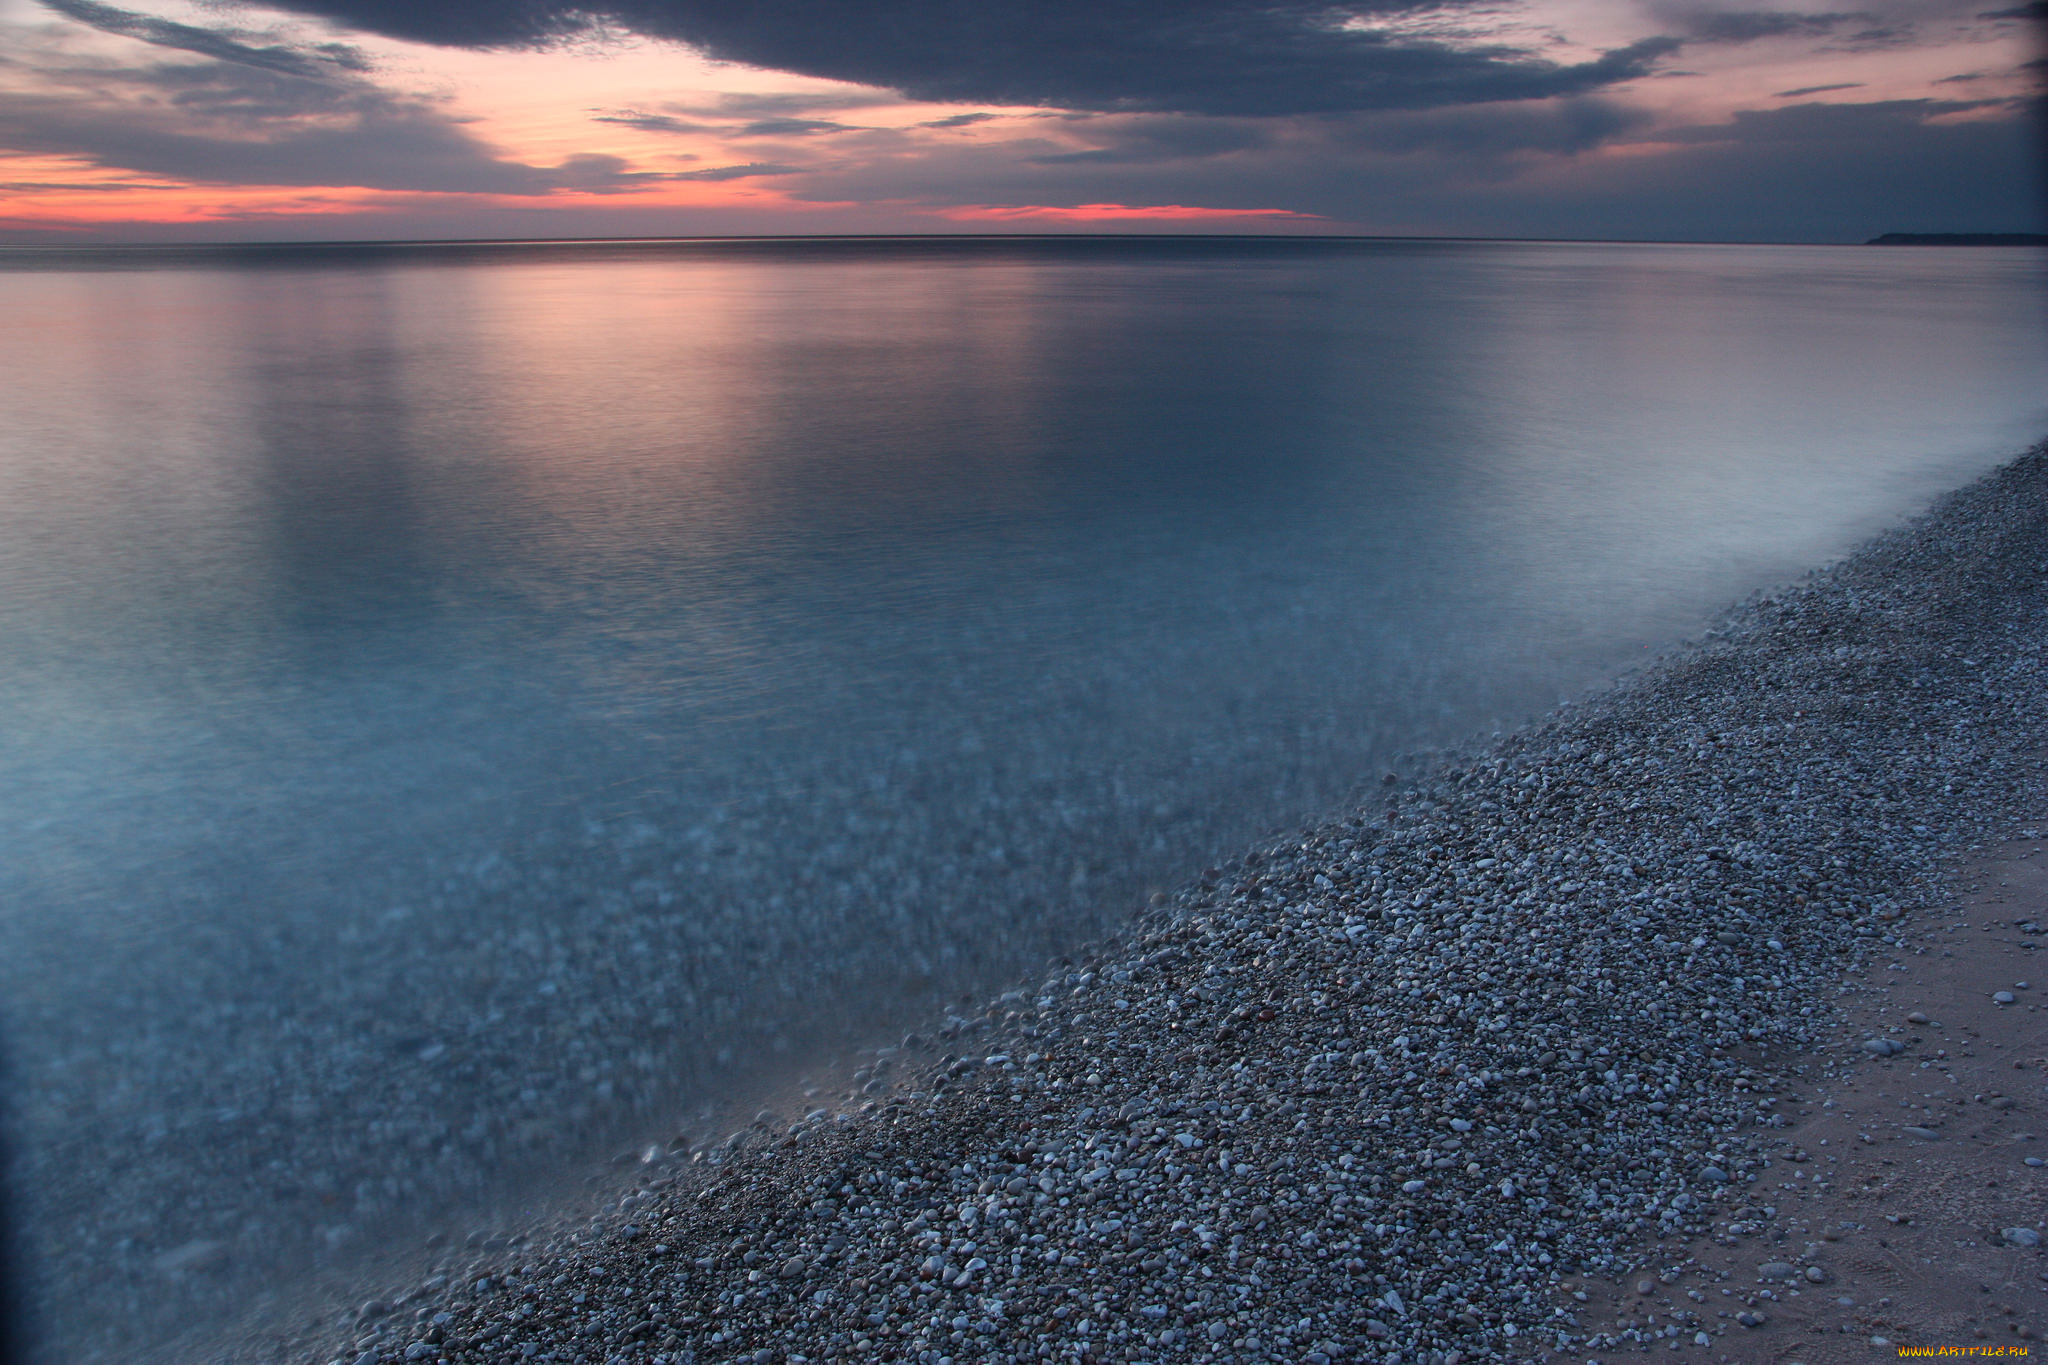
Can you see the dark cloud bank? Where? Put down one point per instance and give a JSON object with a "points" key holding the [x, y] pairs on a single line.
{"points": [[220, 44], [1219, 57], [254, 111]]}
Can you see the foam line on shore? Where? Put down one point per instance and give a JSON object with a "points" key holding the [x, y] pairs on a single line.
{"points": [[1368, 1092]]}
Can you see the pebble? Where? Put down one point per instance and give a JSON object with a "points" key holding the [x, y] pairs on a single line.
{"points": [[2023, 1237], [1924, 1134], [2003, 997], [1916, 1017], [1316, 1014]]}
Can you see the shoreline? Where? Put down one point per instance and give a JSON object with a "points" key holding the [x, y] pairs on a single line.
{"points": [[1373, 1091]]}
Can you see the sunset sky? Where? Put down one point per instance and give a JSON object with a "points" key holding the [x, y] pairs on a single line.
{"points": [[328, 119]]}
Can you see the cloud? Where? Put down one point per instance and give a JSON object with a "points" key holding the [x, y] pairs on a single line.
{"points": [[654, 123], [744, 104], [791, 127], [1876, 36], [227, 46], [1487, 132], [1473, 133], [1596, 168], [597, 173], [250, 111], [746, 172], [1373, 115], [1842, 172], [1816, 90], [1828, 125], [228, 122], [1222, 57], [1749, 26], [743, 116], [1156, 138], [81, 186]]}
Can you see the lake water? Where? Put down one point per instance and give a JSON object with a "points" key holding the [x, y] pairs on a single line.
{"points": [[467, 710]]}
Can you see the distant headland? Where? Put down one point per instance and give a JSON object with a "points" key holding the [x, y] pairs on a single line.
{"points": [[1960, 239]]}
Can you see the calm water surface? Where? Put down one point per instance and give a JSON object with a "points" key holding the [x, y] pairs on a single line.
{"points": [[468, 709]]}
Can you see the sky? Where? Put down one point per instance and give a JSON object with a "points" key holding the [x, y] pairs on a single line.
{"points": [[217, 120]]}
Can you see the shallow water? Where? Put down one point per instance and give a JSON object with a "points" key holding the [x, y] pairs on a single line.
{"points": [[466, 708]]}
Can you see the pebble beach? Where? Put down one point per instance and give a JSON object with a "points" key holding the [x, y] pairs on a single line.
{"points": [[1371, 1092]]}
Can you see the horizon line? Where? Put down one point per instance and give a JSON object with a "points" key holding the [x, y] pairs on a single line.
{"points": [[714, 238]]}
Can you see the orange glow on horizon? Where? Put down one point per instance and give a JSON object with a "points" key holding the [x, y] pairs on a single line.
{"points": [[112, 200], [104, 201], [1099, 213]]}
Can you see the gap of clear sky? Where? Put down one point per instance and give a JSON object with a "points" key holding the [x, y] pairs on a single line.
{"points": [[218, 120]]}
